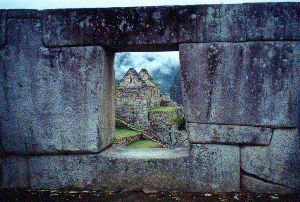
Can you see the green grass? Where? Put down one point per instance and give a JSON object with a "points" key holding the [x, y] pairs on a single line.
{"points": [[144, 144], [162, 109], [123, 132]]}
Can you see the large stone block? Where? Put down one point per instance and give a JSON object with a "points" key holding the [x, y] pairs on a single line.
{"points": [[3, 17], [54, 100], [14, 172], [253, 83], [229, 134], [272, 21], [214, 168], [24, 13], [279, 162], [232, 22], [116, 169], [156, 28], [255, 185]]}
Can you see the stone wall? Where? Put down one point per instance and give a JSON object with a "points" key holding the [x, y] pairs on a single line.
{"points": [[240, 74], [127, 140], [132, 107]]}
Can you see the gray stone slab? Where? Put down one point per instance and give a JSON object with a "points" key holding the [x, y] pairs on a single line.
{"points": [[229, 134], [131, 26], [24, 13], [251, 184], [272, 21], [143, 26], [54, 100], [3, 17], [214, 168], [253, 83], [279, 162], [14, 172], [116, 169], [232, 24]]}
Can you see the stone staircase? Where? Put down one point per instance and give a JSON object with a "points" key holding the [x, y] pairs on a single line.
{"points": [[143, 132]]}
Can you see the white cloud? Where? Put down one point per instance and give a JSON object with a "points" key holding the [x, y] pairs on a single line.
{"points": [[165, 62]]}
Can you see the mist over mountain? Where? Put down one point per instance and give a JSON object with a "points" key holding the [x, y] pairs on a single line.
{"points": [[162, 66], [175, 89]]}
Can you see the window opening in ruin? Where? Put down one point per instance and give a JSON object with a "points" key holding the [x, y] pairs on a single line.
{"points": [[149, 111]]}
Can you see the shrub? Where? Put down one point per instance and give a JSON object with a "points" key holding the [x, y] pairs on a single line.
{"points": [[181, 122]]}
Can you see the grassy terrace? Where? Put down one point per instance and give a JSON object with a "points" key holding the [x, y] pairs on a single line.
{"points": [[162, 109], [144, 144], [123, 132]]}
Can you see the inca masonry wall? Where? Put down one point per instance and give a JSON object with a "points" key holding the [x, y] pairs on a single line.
{"points": [[240, 79]]}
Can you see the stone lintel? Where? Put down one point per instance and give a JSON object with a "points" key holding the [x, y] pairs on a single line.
{"points": [[24, 13], [229, 134], [166, 25]]}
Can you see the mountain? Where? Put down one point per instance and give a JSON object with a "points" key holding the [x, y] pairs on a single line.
{"points": [[175, 89]]}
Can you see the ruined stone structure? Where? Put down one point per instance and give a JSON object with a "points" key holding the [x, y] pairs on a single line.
{"points": [[240, 71], [135, 95]]}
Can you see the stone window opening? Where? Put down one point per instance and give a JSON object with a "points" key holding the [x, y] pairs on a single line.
{"points": [[142, 97]]}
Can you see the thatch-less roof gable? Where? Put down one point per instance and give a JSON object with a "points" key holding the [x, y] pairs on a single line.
{"points": [[144, 74], [132, 79]]}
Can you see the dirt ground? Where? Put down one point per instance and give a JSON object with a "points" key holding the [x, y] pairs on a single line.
{"points": [[84, 195]]}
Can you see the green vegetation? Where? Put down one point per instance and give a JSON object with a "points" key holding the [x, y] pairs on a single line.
{"points": [[162, 109], [181, 122], [144, 144], [124, 132]]}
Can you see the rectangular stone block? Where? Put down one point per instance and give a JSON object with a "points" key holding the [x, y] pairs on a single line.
{"points": [[272, 21], [14, 172], [24, 13], [232, 23], [3, 17], [145, 27], [115, 169], [253, 83], [214, 168], [279, 162], [63, 171], [228, 134], [255, 185], [54, 100]]}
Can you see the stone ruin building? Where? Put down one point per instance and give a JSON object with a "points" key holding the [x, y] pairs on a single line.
{"points": [[135, 95], [240, 72]]}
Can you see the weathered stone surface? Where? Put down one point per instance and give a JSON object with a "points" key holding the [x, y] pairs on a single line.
{"points": [[272, 21], [144, 25], [251, 184], [14, 172], [116, 169], [232, 27], [24, 13], [3, 15], [253, 83], [229, 134], [214, 168], [53, 101], [279, 162]]}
